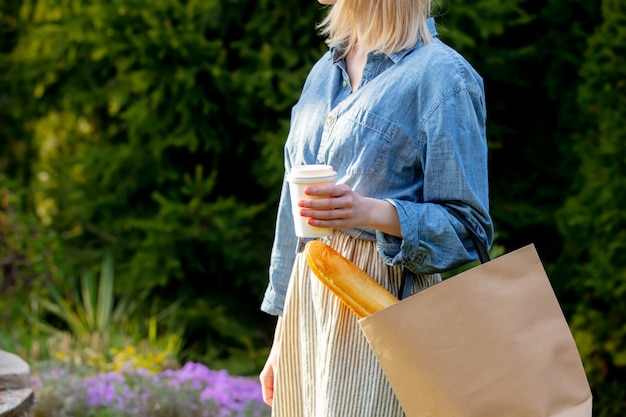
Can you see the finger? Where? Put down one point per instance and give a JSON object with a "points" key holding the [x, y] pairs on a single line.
{"points": [[326, 190], [319, 203], [324, 214], [267, 386], [330, 223]]}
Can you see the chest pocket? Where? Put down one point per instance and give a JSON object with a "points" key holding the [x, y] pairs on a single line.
{"points": [[366, 142]]}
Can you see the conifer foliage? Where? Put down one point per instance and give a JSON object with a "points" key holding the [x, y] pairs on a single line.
{"points": [[593, 221]]}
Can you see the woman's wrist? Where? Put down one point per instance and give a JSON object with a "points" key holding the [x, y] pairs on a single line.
{"points": [[383, 216]]}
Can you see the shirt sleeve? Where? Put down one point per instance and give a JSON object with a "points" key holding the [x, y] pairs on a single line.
{"points": [[282, 256], [453, 154]]}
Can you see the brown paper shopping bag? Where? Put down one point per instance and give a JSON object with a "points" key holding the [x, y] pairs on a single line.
{"points": [[489, 342]]}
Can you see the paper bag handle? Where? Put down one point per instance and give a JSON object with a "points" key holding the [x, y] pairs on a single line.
{"points": [[479, 246]]}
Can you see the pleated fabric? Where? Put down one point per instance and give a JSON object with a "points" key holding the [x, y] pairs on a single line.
{"points": [[326, 367]]}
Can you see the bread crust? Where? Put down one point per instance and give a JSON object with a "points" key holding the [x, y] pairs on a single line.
{"points": [[353, 286]]}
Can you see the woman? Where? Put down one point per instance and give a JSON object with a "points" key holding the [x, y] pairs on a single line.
{"points": [[401, 117]]}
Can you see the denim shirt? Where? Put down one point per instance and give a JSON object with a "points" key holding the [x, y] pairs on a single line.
{"points": [[413, 134]]}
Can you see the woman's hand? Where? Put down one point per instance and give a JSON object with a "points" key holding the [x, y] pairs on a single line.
{"points": [[267, 374], [338, 207]]}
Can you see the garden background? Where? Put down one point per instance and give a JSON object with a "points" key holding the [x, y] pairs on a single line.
{"points": [[128, 127]]}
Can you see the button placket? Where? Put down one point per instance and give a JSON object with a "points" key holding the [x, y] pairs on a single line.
{"points": [[325, 142]]}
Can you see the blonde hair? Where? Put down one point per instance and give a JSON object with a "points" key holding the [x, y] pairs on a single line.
{"points": [[387, 26]]}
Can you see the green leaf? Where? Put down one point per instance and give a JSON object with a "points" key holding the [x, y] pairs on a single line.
{"points": [[105, 294], [88, 292], [62, 309]]}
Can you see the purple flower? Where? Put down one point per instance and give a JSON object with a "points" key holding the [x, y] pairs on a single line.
{"points": [[192, 390], [102, 389], [230, 394]]}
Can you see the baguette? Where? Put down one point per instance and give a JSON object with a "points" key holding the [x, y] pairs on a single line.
{"points": [[353, 286]]}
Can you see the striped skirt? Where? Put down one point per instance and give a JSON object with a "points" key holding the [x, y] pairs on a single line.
{"points": [[325, 367]]}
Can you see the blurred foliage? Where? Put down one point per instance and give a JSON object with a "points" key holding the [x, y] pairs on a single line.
{"points": [[30, 259], [158, 128], [153, 130], [15, 147], [528, 53], [82, 323], [593, 221], [93, 327], [29, 254]]}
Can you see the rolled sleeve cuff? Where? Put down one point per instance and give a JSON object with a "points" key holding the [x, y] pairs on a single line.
{"points": [[402, 251], [389, 248], [273, 302]]}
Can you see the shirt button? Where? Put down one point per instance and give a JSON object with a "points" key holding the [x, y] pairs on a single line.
{"points": [[330, 121], [345, 84]]}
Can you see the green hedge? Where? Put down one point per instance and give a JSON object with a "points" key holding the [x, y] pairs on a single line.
{"points": [[158, 128], [593, 221]]}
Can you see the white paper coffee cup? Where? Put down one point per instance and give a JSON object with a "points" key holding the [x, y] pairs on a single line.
{"points": [[299, 178]]}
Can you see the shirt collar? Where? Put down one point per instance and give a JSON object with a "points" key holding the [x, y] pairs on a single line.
{"points": [[396, 56]]}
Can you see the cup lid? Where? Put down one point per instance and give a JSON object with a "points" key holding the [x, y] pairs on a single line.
{"points": [[311, 173]]}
